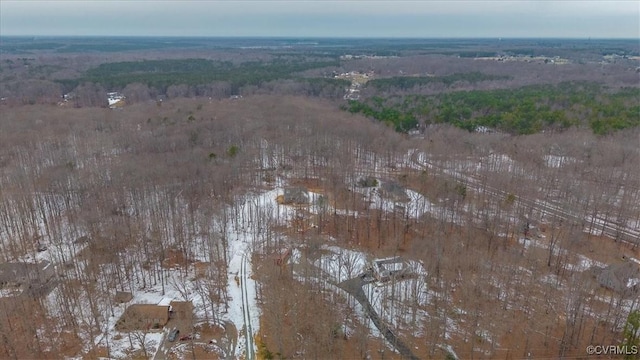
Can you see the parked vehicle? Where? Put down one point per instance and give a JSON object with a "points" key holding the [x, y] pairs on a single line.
{"points": [[173, 334]]}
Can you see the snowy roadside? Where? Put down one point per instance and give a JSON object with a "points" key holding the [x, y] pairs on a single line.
{"points": [[244, 234]]}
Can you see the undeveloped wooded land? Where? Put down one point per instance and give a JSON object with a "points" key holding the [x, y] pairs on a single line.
{"points": [[254, 209]]}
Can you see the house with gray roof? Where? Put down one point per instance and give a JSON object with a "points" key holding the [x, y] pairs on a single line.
{"points": [[15, 278], [623, 278]]}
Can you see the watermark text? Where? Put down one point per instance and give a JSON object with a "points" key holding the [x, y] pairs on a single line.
{"points": [[612, 350]]}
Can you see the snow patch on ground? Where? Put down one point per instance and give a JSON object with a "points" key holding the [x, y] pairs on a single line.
{"points": [[584, 263], [528, 242], [341, 264], [554, 161], [415, 205]]}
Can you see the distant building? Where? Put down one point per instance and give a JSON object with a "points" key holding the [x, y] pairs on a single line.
{"points": [[621, 278], [296, 195], [484, 130], [394, 191], [115, 100], [66, 98], [15, 278]]}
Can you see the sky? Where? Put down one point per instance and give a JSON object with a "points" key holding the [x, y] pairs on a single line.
{"points": [[323, 18]]}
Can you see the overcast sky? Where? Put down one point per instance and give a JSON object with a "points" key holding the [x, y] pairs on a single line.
{"points": [[324, 18]]}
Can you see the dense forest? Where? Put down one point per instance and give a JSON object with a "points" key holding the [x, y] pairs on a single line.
{"points": [[160, 74], [525, 110], [409, 82]]}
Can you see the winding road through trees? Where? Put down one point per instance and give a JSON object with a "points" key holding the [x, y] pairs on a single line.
{"points": [[354, 288]]}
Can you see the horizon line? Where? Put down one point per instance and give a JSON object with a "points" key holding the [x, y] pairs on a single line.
{"points": [[408, 37]]}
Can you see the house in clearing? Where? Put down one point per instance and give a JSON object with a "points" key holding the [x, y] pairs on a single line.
{"points": [[623, 278], [386, 269], [145, 316], [296, 195], [394, 191], [115, 100], [15, 278]]}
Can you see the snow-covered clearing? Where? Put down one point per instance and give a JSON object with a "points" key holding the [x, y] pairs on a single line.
{"points": [[408, 202], [341, 264]]}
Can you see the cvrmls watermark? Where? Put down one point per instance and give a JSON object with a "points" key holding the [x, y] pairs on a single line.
{"points": [[612, 350]]}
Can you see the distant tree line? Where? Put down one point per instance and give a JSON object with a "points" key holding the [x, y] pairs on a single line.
{"points": [[409, 82], [161, 74], [524, 110]]}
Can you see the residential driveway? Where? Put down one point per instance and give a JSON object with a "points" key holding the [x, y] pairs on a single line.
{"points": [[182, 319], [354, 287]]}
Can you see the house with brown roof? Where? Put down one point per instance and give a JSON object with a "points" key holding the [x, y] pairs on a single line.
{"points": [[144, 317]]}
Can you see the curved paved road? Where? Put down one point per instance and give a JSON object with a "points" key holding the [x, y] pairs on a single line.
{"points": [[354, 287]]}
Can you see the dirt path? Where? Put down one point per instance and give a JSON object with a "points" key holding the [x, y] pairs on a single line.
{"points": [[354, 287]]}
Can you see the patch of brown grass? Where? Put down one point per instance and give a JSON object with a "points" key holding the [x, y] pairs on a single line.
{"points": [[174, 258]]}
